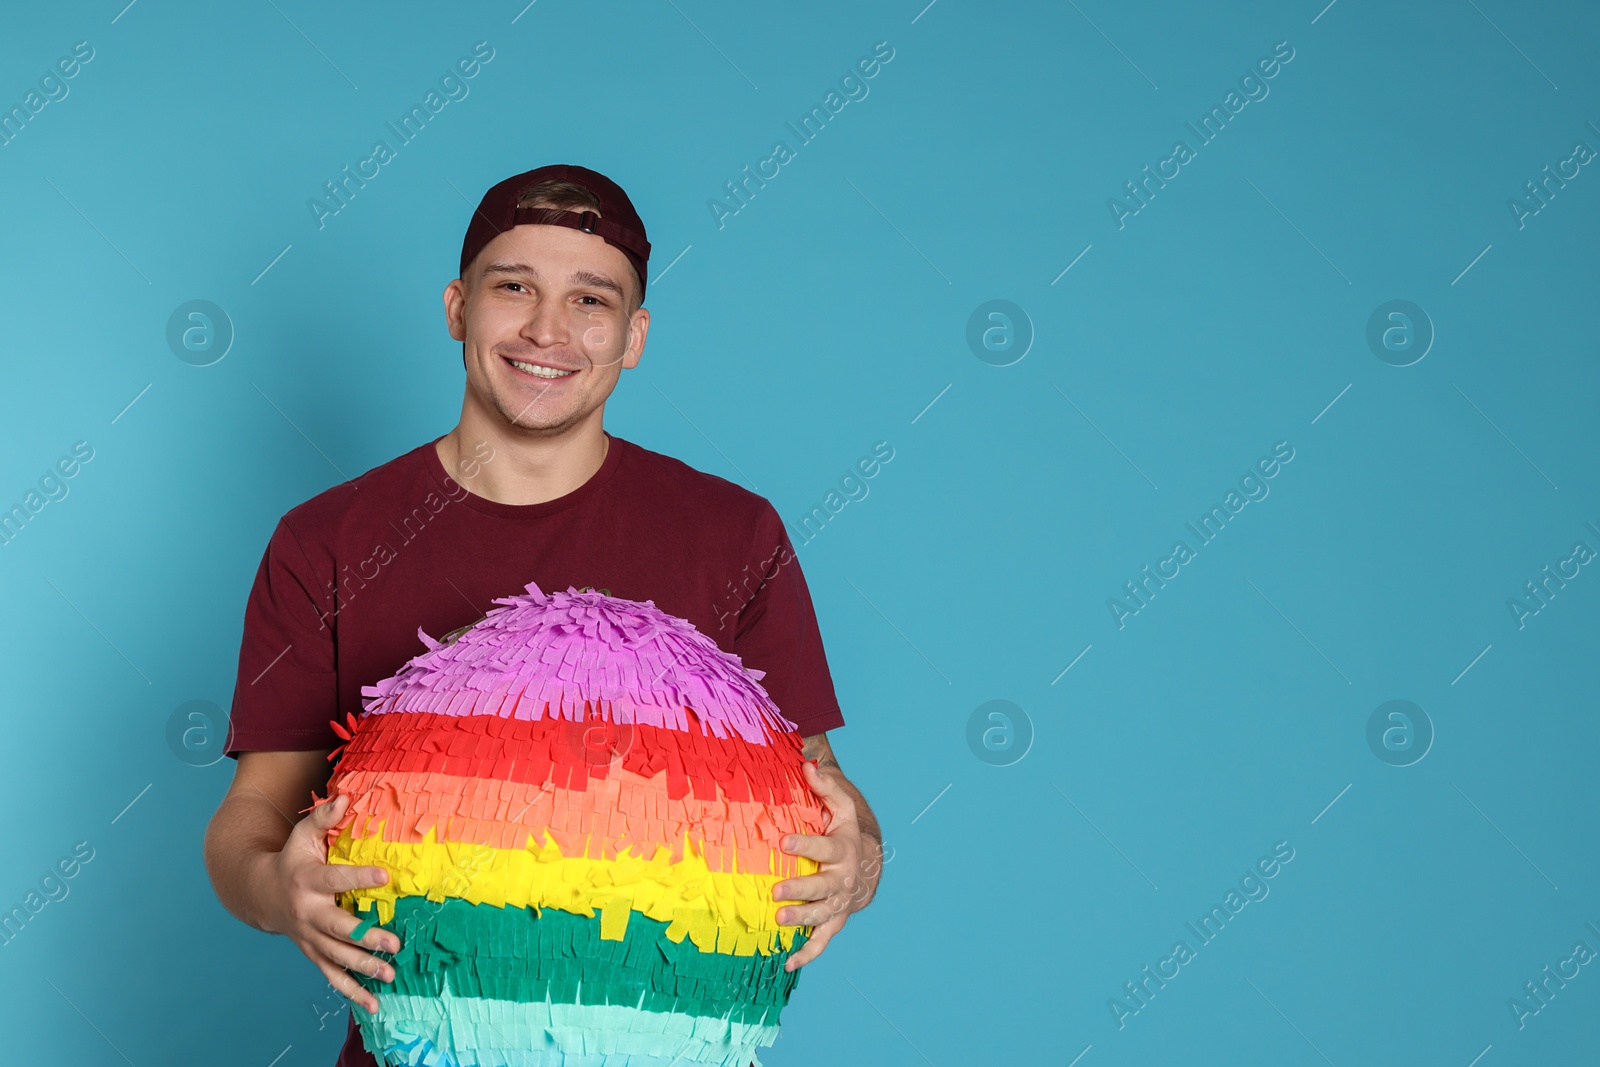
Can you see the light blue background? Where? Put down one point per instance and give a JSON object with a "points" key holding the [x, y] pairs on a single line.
{"points": [[826, 316]]}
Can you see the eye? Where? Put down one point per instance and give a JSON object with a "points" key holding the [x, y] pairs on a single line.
{"points": [[596, 299], [507, 285]]}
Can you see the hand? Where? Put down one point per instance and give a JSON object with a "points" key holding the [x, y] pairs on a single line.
{"points": [[296, 895], [849, 868]]}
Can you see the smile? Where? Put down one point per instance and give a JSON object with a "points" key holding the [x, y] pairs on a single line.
{"points": [[539, 371]]}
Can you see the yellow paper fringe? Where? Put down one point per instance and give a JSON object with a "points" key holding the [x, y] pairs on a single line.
{"points": [[724, 912]]}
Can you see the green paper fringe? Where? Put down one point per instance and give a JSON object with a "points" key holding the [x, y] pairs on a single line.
{"points": [[521, 955]]}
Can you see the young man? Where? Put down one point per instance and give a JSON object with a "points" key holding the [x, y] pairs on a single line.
{"points": [[527, 487]]}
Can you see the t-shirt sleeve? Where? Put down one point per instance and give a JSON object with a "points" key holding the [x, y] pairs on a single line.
{"points": [[777, 633], [287, 686]]}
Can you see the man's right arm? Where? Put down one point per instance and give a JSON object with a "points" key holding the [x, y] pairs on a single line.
{"points": [[268, 865], [253, 822]]}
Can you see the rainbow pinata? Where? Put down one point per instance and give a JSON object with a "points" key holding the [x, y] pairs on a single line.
{"points": [[580, 801]]}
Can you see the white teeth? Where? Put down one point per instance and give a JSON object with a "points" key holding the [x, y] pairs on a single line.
{"points": [[540, 372]]}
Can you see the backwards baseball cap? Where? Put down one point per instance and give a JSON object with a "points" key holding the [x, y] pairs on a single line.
{"points": [[617, 222]]}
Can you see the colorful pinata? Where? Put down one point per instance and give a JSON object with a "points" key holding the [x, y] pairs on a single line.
{"points": [[580, 801]]}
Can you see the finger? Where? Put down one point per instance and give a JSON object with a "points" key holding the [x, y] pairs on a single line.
{"points": [[352, 990], [314, 827], [820, 783], [326, 814], [813, 914], [840, 804], [824, 848], [350, 957], [310, 835], [815, 943], [344, 982], [837, 882], [336, 923], [373, 938], [811, 887], [333, 878]]}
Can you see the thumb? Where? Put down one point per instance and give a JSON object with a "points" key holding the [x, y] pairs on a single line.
{"points": [[309, 836], [326, 813], [825, 785], [332, 808], [840, 805]]}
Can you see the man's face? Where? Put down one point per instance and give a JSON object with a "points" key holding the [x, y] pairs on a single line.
{"points": [[541, 301]]}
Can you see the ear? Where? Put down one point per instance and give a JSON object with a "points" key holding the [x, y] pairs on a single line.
{"points": [[455, 305], [638, 329]]}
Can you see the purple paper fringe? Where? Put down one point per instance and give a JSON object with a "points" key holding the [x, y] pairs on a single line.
{"points": [[628, 660]]}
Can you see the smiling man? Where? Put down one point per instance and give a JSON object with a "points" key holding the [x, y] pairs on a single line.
{"points": [[528, 486]]}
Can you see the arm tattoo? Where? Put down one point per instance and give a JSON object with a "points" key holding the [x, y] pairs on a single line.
{"points": [[817, 747]]}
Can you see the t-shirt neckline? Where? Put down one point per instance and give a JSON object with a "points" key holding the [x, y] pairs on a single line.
{"points": [[608, 466]]}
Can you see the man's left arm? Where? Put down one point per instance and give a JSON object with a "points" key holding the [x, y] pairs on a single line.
{"points": [[776, 631], [849, 856]]}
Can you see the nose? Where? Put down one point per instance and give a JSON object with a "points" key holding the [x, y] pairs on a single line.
{"points": [[546, 325]]}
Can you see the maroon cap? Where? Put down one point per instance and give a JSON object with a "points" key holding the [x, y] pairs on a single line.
{"points": [[617, 222]]}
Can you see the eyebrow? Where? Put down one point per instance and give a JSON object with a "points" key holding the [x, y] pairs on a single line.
{"points": [[580, 277]]}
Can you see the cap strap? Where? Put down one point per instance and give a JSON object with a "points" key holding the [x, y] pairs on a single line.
{"points": [[588, 222]]}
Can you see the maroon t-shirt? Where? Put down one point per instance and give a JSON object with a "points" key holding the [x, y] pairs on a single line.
{"points": [[350, 575]]}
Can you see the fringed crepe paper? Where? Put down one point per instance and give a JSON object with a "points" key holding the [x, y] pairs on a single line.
{"points": [[579, 801]]}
